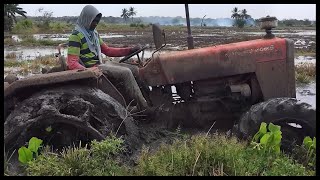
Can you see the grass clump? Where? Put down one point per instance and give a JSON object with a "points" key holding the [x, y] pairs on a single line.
{"points": [[215, 155], [31, 41], [198, 155], [99, 160], [47, 60], [305, 72], [11, 55], [9, 41], [13, 63]]}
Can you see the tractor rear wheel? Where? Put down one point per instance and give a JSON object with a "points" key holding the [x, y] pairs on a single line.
{"points": [[296, 119], [63, 116]]}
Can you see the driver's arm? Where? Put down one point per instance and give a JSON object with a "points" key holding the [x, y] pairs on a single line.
{"points": [[115, 52]]}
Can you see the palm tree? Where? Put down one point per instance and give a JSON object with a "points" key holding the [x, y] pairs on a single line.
{"points": [[124, 14], [244, 14], [235, 13], [10, 11], [132, 13]]}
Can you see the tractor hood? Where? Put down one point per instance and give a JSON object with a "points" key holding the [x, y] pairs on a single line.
{"points": [[211, 62]]}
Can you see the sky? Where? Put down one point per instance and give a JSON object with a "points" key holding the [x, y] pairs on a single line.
{"points": [[281, 11]]}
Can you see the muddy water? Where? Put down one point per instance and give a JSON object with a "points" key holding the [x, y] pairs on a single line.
{"points": [[281, 33], [304, 59], [307, 93], [304, 92], [65, 37], [302, 38], [33, 52], [23, 53]]}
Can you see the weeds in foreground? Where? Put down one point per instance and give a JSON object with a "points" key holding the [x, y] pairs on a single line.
{"points": [[6, 163], [220, 156], [306, 154], [99, 160], [214, 155]]}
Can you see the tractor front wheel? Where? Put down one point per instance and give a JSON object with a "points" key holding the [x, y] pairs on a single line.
{"points": [[297, 120]]}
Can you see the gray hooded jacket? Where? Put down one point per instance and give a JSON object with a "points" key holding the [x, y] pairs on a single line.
{"points": [[87, 15]]}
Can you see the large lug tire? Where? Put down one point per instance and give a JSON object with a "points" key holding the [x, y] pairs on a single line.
{"points": [[283, 112], [73, 113]]}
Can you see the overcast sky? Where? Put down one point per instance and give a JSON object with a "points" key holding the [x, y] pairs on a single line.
{"points": [[281, 11]]}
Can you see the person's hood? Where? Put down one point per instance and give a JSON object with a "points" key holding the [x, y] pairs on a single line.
{"points": [[87, 15]]}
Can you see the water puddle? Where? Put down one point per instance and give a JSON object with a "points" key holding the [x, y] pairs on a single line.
{"points": [[304, 59], [307, 93], [65, 37], [276, 32], [207, 35], [23, 53]]}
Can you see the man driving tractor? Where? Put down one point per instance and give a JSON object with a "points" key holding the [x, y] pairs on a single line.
{"points": [[86, 46]]}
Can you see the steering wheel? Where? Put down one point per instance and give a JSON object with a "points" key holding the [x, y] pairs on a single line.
{"points": [[134, 53]]}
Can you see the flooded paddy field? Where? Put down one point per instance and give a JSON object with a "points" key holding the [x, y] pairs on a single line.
{"points": [[176, 40]]}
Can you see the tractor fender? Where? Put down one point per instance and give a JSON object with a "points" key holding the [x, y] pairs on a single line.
{"points": [[90, 76]]}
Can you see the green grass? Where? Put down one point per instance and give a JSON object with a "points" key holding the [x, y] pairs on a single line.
{"points": [[31, 41], [47, 60], [32, 66], [13, 63], [306, 52], [99, 160], [215, 155]]}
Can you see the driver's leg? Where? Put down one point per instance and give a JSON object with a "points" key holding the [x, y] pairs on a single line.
{"points": [[123, 75], [134, 69]]}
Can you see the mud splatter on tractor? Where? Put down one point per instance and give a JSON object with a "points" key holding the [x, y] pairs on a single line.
{"points": [[236, 85]]}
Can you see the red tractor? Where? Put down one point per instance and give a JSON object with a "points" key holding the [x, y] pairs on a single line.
{"points": [[236, 86]]}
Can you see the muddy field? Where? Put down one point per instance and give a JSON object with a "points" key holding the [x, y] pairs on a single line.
{"points": [[144, 133], [304, 40], [203, 37]]}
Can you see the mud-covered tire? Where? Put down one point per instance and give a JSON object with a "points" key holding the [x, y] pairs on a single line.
{"points": [[280, 111], [73, 113]]}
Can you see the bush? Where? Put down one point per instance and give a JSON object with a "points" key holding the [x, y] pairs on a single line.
{"points": [[240, 23], [59, 26], [141, 25], [23, 26]]}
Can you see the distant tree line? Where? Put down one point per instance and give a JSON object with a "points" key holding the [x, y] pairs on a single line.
{"points": [[173, 20], [16, 18]]}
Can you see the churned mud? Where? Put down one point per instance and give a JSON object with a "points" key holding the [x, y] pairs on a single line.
{"points": [[77, 113]]}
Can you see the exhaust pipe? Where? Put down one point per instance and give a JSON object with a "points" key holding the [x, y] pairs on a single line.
{"points": [[189, 38]]}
